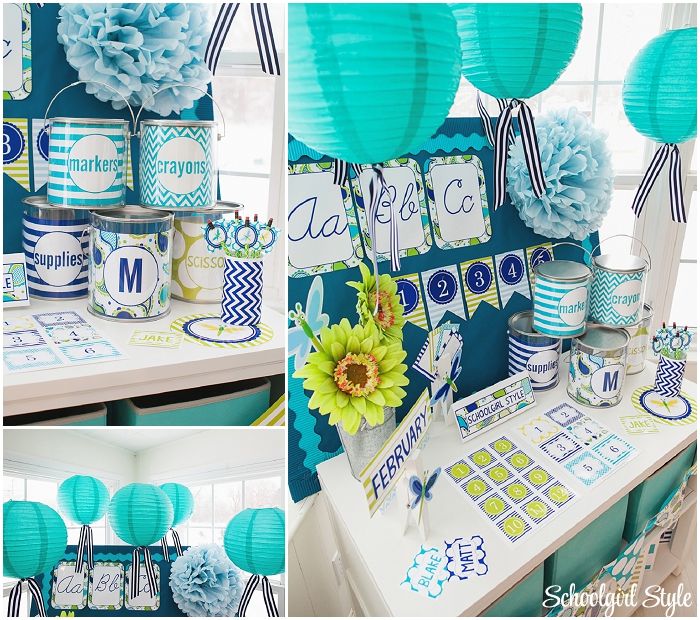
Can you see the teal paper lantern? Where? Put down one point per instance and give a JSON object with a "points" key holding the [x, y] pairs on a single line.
{"points": [[516, 50], [254, 540], [181, 499], [140, 514], [370, 82], [34, 539], [83, 499], [659, 94]]}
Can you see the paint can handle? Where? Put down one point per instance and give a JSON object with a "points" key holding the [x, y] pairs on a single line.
{"points": [[152, 96], [639, 241], [131, 111], [575, 245]]}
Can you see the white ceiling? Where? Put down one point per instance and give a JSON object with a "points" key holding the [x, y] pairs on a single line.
{"points": [[136, 439]]}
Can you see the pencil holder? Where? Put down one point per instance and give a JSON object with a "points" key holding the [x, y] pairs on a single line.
{"points": [[669, 376], [241, 303]]}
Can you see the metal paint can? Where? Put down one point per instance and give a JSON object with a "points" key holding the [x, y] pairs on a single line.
{"points": [[130, 263], [87, 162], [640, 336], [198, 274], [597, 366], [55, 247], [177, 169], [536, 353], [617, 288], [560, 300]]}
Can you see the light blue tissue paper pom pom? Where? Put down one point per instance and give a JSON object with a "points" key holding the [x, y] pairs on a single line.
{"points": [[136, 49], [578, 170], [205, 582]]}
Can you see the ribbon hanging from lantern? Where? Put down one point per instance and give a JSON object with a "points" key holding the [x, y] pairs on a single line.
{"points": [[530, 147], [267, 593], [85, 547], [675, 182], [176, 543], [14, 604], [486, 120], [264, 36], [134, 572]]}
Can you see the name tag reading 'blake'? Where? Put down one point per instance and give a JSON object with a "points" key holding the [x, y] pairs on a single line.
{"points": [[383, 471], [493, 404]]}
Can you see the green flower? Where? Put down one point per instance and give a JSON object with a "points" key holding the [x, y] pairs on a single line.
{"points": [[354, 375], [389, 319]]}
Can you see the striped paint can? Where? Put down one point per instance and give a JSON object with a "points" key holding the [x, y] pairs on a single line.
{"points": [[536, 353], [130, 263], [640, 337], [597, 366], [87, 162], [177, 165], [560, 300], [55, 246]]}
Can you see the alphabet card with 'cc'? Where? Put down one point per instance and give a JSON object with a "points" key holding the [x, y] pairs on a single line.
{"points": [[587, 449]]}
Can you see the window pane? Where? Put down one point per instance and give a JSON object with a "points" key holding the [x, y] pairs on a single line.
{"points": [[684, 309], [563, 97], [73, 535], [241, 37], [626, 29], [620, 219], [626, 144], [13, 488], [252, 192], [465, 101], [263, 492], [42, 491], [99, 535], [199, 536], [690, 240], [228, 501], [219, 535], [202, 506], [256, 608], [583, 62]]}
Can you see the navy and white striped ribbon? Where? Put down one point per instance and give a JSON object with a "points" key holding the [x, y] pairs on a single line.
{"points": [[85, 545], [341, 170], [176, 543], [268, 597], [14, 603], [264, 37], [486, 119], [530, 148], [135, 569], [675, 182]]}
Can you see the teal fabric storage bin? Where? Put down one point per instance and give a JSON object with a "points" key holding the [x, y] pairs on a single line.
{"points": [[83, 415], [647, 497], [580, 559], [228, 404], [524, 600]]}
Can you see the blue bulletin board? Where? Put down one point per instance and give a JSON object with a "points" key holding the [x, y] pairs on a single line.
{"points": [[462, 261], [50, 72], [113, 555]]}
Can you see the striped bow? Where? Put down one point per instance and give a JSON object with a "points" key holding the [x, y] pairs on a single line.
{"points": [[268, 597], [176, 543], [134, 572], [84, 545], [14, 603], [530, 147], [675, 183], [264, 36]]}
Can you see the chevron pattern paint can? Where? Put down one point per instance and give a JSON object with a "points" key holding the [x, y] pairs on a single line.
{"points": [[669, 377], [640, 336], [241, 303], [176, 165], [55, 246], [130, 264], [560, 300], [87, 162], [617, 289], [528, 350], [597, 366]]}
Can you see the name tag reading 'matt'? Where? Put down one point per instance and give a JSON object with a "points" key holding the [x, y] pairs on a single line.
{"points": [[383, 471]]}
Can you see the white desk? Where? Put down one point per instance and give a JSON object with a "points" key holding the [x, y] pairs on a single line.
{"points": [[376, 556], [147, 370]]}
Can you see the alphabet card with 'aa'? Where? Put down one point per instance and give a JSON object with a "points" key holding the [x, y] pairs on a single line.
{"points": [[587, 449], [511, 490]]}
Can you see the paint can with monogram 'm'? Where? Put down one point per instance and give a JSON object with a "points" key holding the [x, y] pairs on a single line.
{"points": [[130, 263], [560, 300]]}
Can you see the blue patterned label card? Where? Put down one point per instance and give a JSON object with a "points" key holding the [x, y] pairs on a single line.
{"points": [[466, 557], [428, 573], [442, 293], [511, 274], [14, 281]]}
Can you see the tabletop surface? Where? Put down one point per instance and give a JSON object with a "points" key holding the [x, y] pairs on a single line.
{"points": [[387, 554], [145, 370]]}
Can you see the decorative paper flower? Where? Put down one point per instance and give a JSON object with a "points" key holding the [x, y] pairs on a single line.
{"points": [[389, 319], [578, 169], [136, 49], [353, 375], [206, 583]]}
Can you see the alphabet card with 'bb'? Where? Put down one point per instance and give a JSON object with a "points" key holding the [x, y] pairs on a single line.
{"points": [[588, 450], [511, 490]]}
